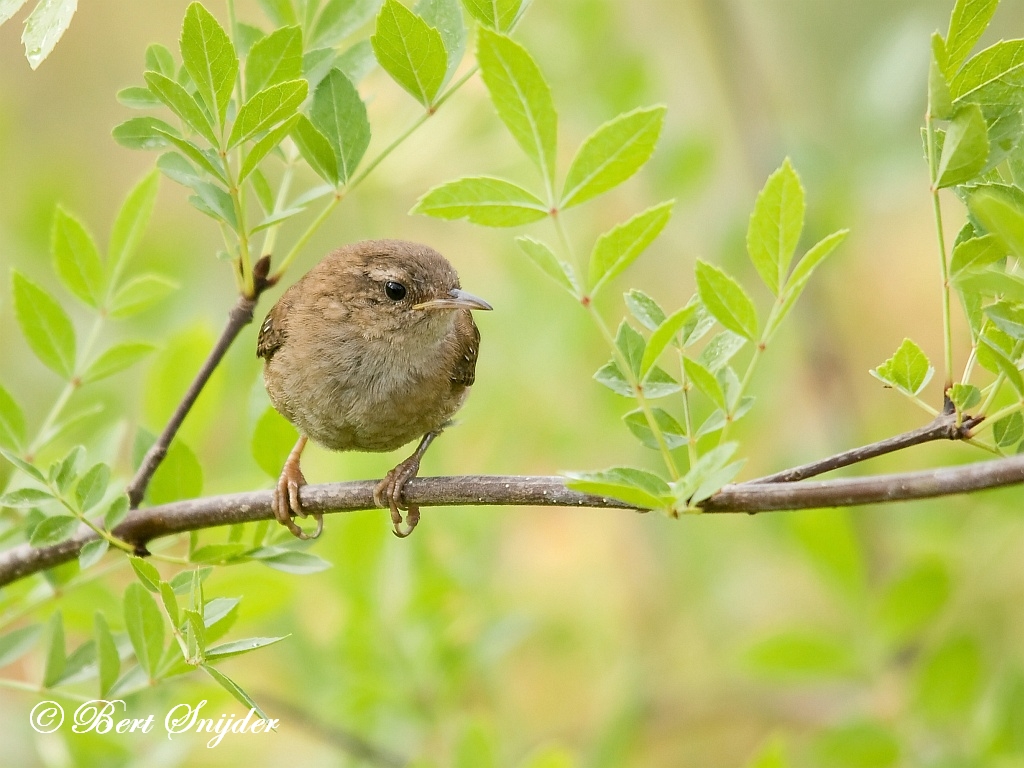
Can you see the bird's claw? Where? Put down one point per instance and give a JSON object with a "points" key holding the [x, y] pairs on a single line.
{"points": [[287, 502], [390, 493]]}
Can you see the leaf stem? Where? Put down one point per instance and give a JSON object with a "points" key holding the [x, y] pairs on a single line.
{"points": [[947, 331], [691, 440]]}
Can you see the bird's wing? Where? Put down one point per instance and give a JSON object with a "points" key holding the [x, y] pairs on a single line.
{"points": [[467, 348], [273, 331]]}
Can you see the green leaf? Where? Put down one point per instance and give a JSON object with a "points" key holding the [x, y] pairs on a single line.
{"points": [[522, 98], [705, 381], [45, 26], [17, 643], [143, 133], [62, 472], [12, 421], [707, 476], [179, 476], [965, 148], [671, 431], [631, 344], [859, 745], [612, 377], [914, 598], [804, 269], [23, 465], [612, 154], [92, 552], [801, 654], [1008, 430], [146, 572], [339, 19], [274, 59], [182, 104], [92, 486], [145, 627], [265, 146], [53, 530], [340, 115], [76, 260], [410, 50], [831, 544], [1000, 214], [664, 335], [140, 293], [446, 17], [8, 8], [238, 647], [659, 384], [966, 25], [107, 656], [987, 351], [726, 300], [117, 512], [940, 101], [115, 359], [357, 62], [541, 255], [495, 14], [234, 689], [908, 369], [316, 150], [1009, 318], [170, 602], [634, 486], [720, 350], [160, 59], [620, 246], [772, 755], [775, 226], [645, 309], [482, 200], [975, 254], [992, 76], [214, 202], [272, 441], [137, 97], [965, 396], [949, 679], [209, 57], [200, 157], [45, 324], [56, 655], [266, 109], [132, 220], [290, 560]]}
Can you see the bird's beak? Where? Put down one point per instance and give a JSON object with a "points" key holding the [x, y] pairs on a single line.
{"points": [[456, 299]]}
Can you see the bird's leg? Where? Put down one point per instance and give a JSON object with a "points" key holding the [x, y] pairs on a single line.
{"points": [[286, 495], [390, 491]]}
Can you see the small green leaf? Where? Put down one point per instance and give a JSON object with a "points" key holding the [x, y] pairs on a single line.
{"points": [[137, 97], [1009, 430], [45, 324], [132, 221], [495, 14], [989, 353], [612, 154], [170, 602], [664, 335], [975, 254], [612, 377], [46, 25], [339, 19], [1009, 318], [316, 150], [56, 656], [522, 98], [541, 255], [1000, 214], [272, 441], [265, 146], [92, 486], [209, 57], [446, 17], [657, 384], [179, 476], [965, 148], [410, 50], [53, 530], [205, 159], [17, 643], [182, 104], [12, 421], [720, 350], [620, 246], [634, 486], [859, 745], [117, 512], [726, 300], [992, 76], [802, 655], [92, 552], [24, 466], [290, 560], [940, 101], [804, 269], [274, 59], [482, 200], [966, 25], [147, 573], [76, 260], [965, 396], [775, 226], [949, 679], [234, 689], [160, 59], [238, 647], [707, 476], [140, 293], [673, 434], [705, 381], [145, 627], [106, 654], [645, 309], [914, 598], [143, 133], [357, 62], [266, 109], [115, 359], [215, 203], [340, 115], [631, 344], [908, 369]]}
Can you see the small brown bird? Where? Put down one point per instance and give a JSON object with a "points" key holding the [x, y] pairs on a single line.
{"points": [[372, 348]]}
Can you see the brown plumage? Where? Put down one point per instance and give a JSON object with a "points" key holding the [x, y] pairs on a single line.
{"points": [[372, 348]]}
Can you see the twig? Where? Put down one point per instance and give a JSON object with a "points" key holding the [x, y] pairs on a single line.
{"points": [[943, 427], [142, 526], [239, 317]]}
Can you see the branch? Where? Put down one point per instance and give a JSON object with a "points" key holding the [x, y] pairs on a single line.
{"points": [[142, 526], [943, 427]]}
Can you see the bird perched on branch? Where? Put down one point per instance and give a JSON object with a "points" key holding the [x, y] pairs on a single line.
{"points": [[372, 348]]}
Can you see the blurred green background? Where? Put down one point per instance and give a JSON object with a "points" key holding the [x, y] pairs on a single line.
{"points": [[887, 636]]}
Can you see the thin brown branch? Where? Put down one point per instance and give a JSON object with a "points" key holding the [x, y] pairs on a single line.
{"points": [[943, 427], [142, 526]]}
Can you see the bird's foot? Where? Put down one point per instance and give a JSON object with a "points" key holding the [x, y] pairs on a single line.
{"points": [[390, 492], [286, 496]]}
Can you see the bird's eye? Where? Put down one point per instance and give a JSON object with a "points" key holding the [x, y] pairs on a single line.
{"points": [[395, 291]]}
